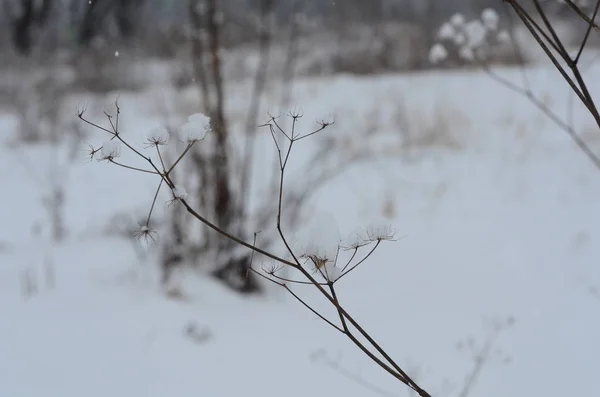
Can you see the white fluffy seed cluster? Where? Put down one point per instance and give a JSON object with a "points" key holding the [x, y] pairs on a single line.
{"points": [[467, 36]]}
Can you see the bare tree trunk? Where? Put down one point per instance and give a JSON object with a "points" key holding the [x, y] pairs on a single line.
{"points": [[125, 13], [234, 271], [93, 18], [32, 15], [213, 167]]}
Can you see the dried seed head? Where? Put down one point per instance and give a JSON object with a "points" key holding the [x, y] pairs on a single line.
{"points": [[110, 150], [145, 234], [157, 137]]}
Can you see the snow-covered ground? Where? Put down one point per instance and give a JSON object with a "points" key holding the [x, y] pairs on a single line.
{"points": [[499, 219]]}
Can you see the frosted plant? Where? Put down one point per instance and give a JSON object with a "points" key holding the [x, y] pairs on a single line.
{"points": [[145, 234], [331, 272], [110, 150], [380, 230], [157, 137], [179, 193], [323, 248]]}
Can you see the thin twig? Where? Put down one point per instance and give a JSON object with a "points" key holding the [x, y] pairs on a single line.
{"points": [[110, 160], [582, 15], [355, 377]]}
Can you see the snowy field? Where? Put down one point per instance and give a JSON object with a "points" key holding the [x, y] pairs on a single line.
{"points": [[498, 213]]}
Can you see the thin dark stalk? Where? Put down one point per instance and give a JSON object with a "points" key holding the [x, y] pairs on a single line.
{"points": [[337, 306], [288, 280], [133, 168], [361, 261], [298, 298], [581, 144], [582, 15], [526, 21], [355, 377], [350, 260], [587, 32], [189, 146], [395, 370], [582, 91], [154, 202], [558, 45], [162, 163]]}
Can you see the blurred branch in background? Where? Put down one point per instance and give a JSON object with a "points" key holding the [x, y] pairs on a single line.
{"points": [[474, 42]]}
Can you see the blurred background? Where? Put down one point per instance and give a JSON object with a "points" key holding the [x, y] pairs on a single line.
{"points": [[109, 287]]}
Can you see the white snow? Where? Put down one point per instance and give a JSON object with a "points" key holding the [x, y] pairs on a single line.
{"points": [[196, 128], [504, 222]]}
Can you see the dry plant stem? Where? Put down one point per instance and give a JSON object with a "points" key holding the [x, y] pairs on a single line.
{"points": [[396, 371], [154, 202], [480, 361], [392, 368], [189, 146], [581, 144], [359, 262], [297, 297], [551, 115], [578, 85], [288, 280], [131, 168], [555, 41], [582, 15], [355, 377], [162, 163], [587, 33], [482, 357], [252, 254], [350, 260], [531, 25]]}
